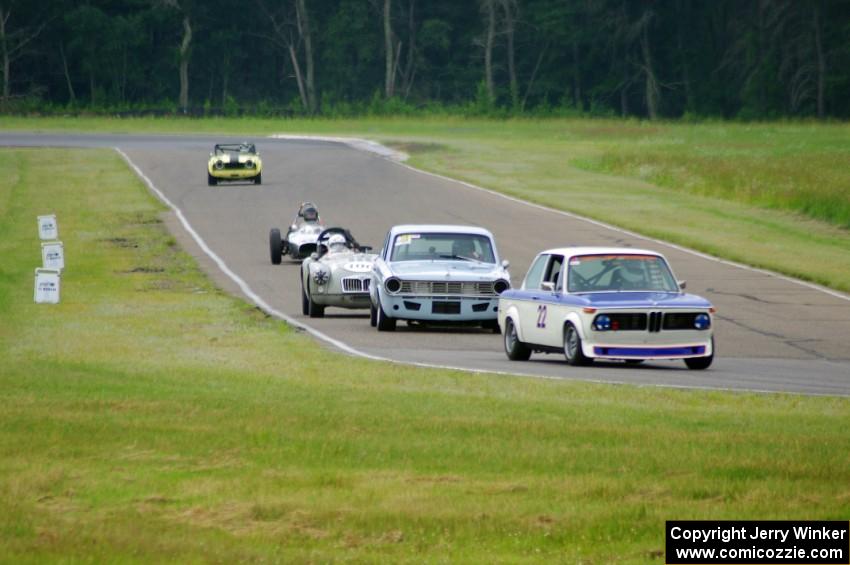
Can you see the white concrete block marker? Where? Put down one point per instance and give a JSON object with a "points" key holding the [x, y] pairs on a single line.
{"points": [[48, 228], [47, 286], [53, 255]]}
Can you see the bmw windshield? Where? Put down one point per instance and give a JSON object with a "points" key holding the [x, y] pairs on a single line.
{"points": [[615, 273], [442, 247]]}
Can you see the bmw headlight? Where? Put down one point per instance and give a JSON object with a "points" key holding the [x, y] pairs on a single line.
{"points": [[602, 323], [702, 321], [249, 164], [219, 164], [321, 277]]}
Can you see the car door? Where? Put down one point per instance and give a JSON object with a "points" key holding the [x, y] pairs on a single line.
{"points": [[537, 310]]}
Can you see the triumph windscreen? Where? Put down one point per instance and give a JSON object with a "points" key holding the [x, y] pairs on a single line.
{"points": [[442, 247], [615, 273]]}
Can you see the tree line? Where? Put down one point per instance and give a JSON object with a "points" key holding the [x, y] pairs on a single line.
{"points": [[746, 59]]}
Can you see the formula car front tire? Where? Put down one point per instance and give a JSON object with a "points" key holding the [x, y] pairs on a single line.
{"points": [[211, 180], [258, 179], [275, 246]]}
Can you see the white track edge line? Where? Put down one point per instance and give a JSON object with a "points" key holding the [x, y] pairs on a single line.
{"points": [[265, 307], [243, 286]]}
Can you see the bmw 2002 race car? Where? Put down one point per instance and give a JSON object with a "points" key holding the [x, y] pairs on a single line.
{"points": [[300, 239], [437, 274], [234, 162], [606, 303], [336, 274]]}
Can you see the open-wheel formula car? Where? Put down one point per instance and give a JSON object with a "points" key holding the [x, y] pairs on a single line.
{"points": [[337, 274], [300, 239], [234, 162], [606, 303]]}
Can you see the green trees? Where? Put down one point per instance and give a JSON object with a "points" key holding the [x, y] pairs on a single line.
{"points": [[645, 58]]}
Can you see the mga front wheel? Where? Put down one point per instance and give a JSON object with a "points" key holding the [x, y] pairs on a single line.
{"points": [[314, 310], [305, 304]]}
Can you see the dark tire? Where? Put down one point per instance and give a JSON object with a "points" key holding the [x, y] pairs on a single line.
{"points": [[373, 315], [275, 246], [305, 304], [514, 348], [258, 179], [572, 347], [383, 323], [701, 363], [492, 325], [211, 180], [634, 361], [314, 310]]}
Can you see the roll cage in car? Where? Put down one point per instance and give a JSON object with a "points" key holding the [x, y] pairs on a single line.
{"points": [[222, 148]]}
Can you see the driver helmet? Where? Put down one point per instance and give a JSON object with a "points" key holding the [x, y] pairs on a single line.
{"points": [[310, 214], [336, 243]]}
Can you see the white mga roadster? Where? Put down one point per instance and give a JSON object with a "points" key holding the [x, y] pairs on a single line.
{"points": [[337, 274], [606, 303], [437, 274], [300, 239]]}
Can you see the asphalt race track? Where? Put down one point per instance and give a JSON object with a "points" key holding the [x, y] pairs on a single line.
{"points": [[772, 334]]}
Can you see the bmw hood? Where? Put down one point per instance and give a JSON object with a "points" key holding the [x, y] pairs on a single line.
{"points": [[447, 270], [644, 300]]}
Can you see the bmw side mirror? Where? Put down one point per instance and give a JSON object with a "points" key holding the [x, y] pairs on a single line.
{"points": [[683, 284], [505, 263], [548, 286]]}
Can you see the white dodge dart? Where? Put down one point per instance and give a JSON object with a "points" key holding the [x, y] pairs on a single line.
{"points": [[437, 274]]}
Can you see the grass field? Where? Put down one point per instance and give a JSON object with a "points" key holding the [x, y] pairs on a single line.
{"points": [[773, 195], [150, 417]]}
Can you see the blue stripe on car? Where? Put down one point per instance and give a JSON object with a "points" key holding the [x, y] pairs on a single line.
{"points": [[625, 299], [649, 352]]}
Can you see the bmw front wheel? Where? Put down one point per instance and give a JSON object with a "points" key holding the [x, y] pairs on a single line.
{"points": [[700, 363], [514, 348], [572, 347]]}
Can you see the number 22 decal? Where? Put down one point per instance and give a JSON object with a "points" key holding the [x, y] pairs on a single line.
{"points": [[541, 316]]}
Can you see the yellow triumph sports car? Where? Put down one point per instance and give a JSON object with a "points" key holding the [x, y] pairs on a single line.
{"points": [[234, 162]]}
